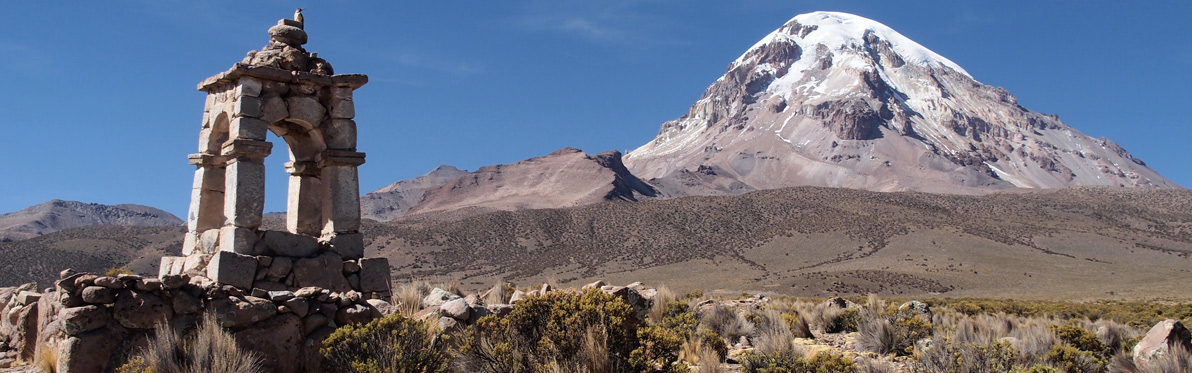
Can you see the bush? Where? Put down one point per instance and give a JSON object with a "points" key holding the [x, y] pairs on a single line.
{"points": [[116, 271], [1073, 360], [892, 334], [677, 316], [658, 350], [837, 320], [944, 356], [791, 363], [209, 348], [390, 344], [726, 322], [1080, 338], [547, 332]]}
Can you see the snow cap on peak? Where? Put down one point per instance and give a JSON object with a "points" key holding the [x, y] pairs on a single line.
{"points": [[837, 30]]}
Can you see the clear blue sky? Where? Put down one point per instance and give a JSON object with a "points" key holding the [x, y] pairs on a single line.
{"points": [[98, 100]]}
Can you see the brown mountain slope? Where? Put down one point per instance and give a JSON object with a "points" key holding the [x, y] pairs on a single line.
{"points": [[1071, 243], [57, 214], [395, 200], [93, 249], [565, 178]]}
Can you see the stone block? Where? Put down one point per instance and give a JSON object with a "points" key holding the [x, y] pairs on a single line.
{"points": [[273, 109], [238, 240], [343, 209], [247, 106], [374, 274], [292, 245], [239, 312], [324, 271], [280, 268], [305, 110], [248, 86], [304, 210], [109, 282], [170, 265], [342, 108], [98, 295], [244, 187], [342, 92], [457, 309], [28, 297], [340, 134], [249, 128], [229, 268], [186, 303], [348, 245], [195, 264], [190, 240]]}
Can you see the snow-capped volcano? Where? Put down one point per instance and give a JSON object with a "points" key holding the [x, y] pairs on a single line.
{"points": [[834, 99]]}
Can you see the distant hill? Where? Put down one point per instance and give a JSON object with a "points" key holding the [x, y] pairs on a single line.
{"points": [[57, 215], [93, 249]]}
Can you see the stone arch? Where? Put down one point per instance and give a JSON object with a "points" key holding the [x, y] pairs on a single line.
{"points": [[312, 114]]}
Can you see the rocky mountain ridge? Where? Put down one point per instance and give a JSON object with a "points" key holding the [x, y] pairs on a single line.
{"points": [[58, 214]]}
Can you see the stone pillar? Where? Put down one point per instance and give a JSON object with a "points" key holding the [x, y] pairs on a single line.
{"points": [[206, 199], [304, 204], [244, 194], [341, 203]]}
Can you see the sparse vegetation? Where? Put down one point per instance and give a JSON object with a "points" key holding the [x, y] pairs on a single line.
{"points": [[390, 344], [208, 348]]}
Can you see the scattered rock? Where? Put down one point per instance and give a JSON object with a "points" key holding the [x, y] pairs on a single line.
{"points": [[1159, 339], [457, 309], [385, 308], [437, 297], [353, 314]]}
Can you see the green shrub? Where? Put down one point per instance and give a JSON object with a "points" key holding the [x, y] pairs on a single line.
{"points": [[841, 320], [1073, 360], [792, 363], [677, 316], [1080, 338], [657, 351], [547, 332], [390, 344]]}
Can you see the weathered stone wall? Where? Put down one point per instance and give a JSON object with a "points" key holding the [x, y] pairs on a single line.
{"points": [[96, 322]]}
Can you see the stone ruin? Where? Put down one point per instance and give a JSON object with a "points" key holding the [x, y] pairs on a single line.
{"points": [[279, 292]]}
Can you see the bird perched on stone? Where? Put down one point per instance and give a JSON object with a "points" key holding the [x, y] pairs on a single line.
{"points": [[298, 17]]}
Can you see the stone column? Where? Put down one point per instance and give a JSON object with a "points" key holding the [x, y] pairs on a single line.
{"points": [[244, 180], [341, 202], [206, 199], [304, 203]]}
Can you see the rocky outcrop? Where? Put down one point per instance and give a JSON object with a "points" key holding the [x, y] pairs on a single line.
{"points": [[393, 201], [1159, 341]]}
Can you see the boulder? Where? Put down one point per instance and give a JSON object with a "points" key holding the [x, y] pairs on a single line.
{"points": [[457, 309], [278, 339], [325, 271], [517, 295], [186, 303], [238, 312], [300, 306], [313, 322], [27, 323], [353, 314], [385, 308], [350, 266], [140, 310], [640, 304], [98, 295], [1159, 339], [86, 353], [171, 282], [26, 297], [109, 282], [437, 297], [500, 309], [79, 320], [449, 324], [598, 284]]}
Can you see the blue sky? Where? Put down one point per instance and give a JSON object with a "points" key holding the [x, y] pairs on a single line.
{"points": [[98, 100]]}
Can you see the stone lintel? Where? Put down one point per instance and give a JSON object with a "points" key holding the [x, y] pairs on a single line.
{"points": [[206, 160], [341, 158], [247, 148], [238, 70]]}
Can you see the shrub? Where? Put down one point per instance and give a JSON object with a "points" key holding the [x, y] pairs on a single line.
{"points": [[773, 335], [892, 334], [797, 324], [409, 297], [791, 363], [657, 351], [1071, 359], [726, 322], [677, 316], [837, 320], [393, 343], [704, 347], [116, 271], [546, 332], [661, 303], [1080, 338], [995, 357], [209, 348]]}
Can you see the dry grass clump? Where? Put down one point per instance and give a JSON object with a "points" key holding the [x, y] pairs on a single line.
{"points": [[209, 348], [726, 322], [499, 293], [773, 335], [46, 358], [662, 298]]}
